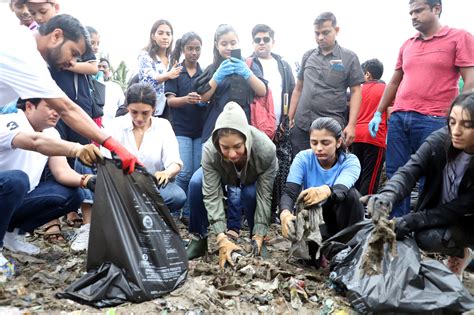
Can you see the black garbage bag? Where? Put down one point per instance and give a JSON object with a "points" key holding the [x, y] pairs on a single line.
{"points": [[406, 283], [135, 251]]}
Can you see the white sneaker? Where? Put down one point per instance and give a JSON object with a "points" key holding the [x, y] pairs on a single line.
{"points": [[17, 243], [3, 260], [81, 241]]}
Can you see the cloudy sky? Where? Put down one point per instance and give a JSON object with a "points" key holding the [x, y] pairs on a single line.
{"points": [[371, 28]]}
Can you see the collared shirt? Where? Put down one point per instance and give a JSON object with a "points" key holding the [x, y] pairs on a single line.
{"points": [[326, 79], [187, 120], [159, 148], [431, 70]]}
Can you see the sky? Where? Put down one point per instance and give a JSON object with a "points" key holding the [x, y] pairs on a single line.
{"points": [[370, 28]]}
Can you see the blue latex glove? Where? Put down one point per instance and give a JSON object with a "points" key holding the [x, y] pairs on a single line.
{"points": [[225, 69], [374, 124], [241, 68]]}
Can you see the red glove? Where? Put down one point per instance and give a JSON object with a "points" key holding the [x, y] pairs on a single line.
{"points": [[128, 160]]}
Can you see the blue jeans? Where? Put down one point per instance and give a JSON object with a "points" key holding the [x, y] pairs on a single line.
{"points": [[406, 132], [173, 196], [190, 151], [84, 169], [198, 221], [13, 188], [234, 208], [27, 211]]}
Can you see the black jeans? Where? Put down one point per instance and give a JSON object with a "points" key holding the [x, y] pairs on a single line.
{"points": [[448, 240]]}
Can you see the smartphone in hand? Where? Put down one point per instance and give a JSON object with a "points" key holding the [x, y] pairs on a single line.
{"points": [[236, 53]]}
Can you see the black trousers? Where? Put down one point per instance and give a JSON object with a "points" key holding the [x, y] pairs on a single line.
{"points": [[339, 216], [371, 159], [299, 140], [448, 240]]}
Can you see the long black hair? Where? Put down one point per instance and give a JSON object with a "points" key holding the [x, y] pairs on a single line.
{"points": [[180, 43], [141, 92], [152, 47], [466, 101]]}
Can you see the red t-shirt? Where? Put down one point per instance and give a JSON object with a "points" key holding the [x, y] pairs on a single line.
{"points": [[372, 92], [431, 70]]}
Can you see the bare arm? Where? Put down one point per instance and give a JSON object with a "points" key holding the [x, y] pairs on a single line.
{"points": [[467, 75], [173, 169], [85, 67], [390, 91], [295, 97], [44, 144], [63, 173], [207, 96], [77, 119], [354, 107], [175, 101], [257, 85]]}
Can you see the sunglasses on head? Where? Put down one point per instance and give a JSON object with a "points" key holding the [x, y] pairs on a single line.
{"points": [[265, 39]]}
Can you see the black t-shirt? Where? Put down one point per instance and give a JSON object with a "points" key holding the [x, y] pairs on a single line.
{"points": [[188, 120]]}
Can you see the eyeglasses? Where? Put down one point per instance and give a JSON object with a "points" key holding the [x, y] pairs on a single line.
{"points": [[265, 39]]}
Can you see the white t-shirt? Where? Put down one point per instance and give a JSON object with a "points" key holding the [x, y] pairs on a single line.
{"points": [[23, 72], [159, 148], [114, 97], [30, 162], [273, 76]]}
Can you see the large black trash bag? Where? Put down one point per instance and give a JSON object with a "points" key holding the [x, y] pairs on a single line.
{"points": [[406, 283], [135, 252]]}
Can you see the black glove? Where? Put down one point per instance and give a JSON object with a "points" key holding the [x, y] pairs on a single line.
{"points": [[339, 193], [91, 183], [402, 229]]}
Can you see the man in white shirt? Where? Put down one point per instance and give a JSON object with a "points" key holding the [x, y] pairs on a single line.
{"points": [[26, 201], [24, 60], [114, 96]]}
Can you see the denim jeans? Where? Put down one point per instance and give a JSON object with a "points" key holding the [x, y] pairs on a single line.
{"points": [[198, 221], [173, 196], [234, 207], [406, 132], [13, 188], [190, 151], [27, 211], [84, 169]]}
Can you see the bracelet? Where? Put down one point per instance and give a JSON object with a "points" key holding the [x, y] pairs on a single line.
{"points": [[83, 178]]}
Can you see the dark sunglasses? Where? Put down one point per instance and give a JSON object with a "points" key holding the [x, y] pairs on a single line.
{"points": [[265, 39]]}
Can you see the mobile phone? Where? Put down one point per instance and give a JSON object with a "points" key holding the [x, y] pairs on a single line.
{"points": [[236, 53]]}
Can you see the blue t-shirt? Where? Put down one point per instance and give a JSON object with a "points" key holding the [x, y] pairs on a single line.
{"points": [[307, 171], [187, 120]]}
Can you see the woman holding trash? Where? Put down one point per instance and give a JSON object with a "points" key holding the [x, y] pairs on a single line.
{"points": [[240, 155], [327, 173], [228, 79], [443, 218], [151, 139]]}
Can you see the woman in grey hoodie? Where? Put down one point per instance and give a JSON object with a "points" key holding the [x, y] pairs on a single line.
{"points": [[237, 154]]}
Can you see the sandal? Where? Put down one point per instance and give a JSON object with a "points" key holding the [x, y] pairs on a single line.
{"points": [[74, 220], [55, 236]]}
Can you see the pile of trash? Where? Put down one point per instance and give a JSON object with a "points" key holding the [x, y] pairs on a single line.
{"points": [[278, 283]]}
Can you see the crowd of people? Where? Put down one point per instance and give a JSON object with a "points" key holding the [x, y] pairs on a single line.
{"points": [[192, 127]]}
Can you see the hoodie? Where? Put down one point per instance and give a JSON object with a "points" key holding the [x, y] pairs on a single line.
{"points": [[261, 168]]}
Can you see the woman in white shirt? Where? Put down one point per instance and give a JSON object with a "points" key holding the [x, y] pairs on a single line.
{"points": [[152, 140]]}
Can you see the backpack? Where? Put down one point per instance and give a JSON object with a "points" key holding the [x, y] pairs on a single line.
{"points": [[97, 94], [262, 110]]}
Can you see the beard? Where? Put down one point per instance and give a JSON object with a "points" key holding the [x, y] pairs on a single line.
{"points": [[53, 56]]}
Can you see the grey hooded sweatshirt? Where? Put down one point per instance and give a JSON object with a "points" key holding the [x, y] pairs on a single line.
{"points": [[261, 167]]}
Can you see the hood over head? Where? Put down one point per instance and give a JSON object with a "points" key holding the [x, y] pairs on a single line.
{"points": [[233, 117]]}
